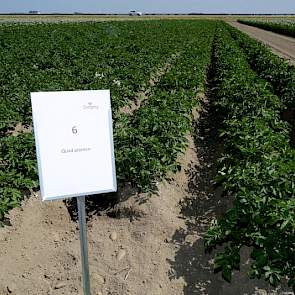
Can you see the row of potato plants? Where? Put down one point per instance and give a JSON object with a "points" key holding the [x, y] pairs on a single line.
{"points": [[149, 142], [257, 169], [272, 68], [269, 66], [119, 56], [52, 57], [283, 27], [63, 57]]}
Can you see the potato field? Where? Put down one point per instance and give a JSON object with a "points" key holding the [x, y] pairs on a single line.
{"points": [[282, 27], [163, 74]]}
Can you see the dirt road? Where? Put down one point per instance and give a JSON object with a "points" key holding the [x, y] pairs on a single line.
{"points": [[282, 45]]}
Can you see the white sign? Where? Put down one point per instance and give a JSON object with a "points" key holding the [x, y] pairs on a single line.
{"points": [[74, 143]]}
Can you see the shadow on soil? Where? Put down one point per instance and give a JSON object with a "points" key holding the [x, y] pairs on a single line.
{"points": [[115, 205], [203, 203]]}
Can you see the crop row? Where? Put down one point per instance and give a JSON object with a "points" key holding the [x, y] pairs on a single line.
{"points": [[85, 56], [257, 169], [148, 144], [273, 69], [269, 66], [119, 56], [283, 27]]}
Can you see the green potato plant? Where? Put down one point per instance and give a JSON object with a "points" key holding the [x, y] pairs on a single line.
{"points": [[257, 169]]}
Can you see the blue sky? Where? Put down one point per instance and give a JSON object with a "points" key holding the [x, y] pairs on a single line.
{"points": [[157, 6]]}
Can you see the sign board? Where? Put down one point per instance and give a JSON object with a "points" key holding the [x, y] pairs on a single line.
{"points": [[74, 143]]}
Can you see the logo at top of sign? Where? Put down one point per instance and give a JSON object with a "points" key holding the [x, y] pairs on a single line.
{"points": [[90, 106]]}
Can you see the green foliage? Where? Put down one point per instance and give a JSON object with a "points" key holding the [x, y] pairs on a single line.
{"points": [[18, 171], [120, 56], [257, 168], [283, 27], [81, 56], [269, 66], [148, 144], [227, 261]]}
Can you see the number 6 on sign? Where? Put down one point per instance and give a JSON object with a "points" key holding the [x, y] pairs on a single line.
{"points": [[74, 130]]}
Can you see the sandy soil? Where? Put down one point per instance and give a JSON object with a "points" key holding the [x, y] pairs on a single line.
{"points": [[142, 246], [282, 45]]}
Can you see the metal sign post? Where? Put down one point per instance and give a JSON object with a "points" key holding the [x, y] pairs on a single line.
{"points": [[83, 243]]}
